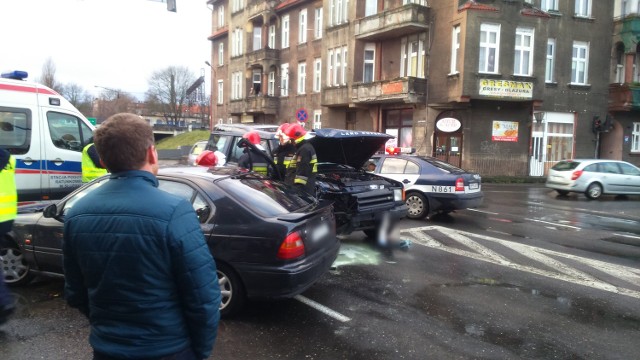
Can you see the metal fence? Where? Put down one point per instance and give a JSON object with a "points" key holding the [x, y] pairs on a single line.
{"points": [[497, 165]]}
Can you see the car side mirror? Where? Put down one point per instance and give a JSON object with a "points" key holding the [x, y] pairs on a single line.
{"points": [[50, 211], [203, 214]]}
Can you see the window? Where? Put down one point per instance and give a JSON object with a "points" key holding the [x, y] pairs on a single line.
{"points": [[419, 2], [338, 11], [284, 80], [547, 5], [317, 119], [620, 63], [221, 54], [413, 56], [220, 92], [272, 37], [271, 87], [67, 131], [220, 16], [236, 49], [344, 65], [635, 137], [489, 48], [583, 8], [256, 82], [285, 31], [370, 7], [302, 77], [580, 63], [455, 49], [318, 23], [236, 85], [523, 58], [237, 5], [257, 37], [369, 62], [550, 65], [338, 62], [18, 140], [330, 68], [317, 74], [302, 27]]}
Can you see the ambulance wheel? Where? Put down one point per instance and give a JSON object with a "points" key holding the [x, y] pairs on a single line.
{"points": [[418, 206]]}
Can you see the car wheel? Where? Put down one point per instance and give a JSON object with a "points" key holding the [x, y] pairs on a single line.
{"points": [[231, 289], [563, 192], [418, 206], [594, 191], [14, 265]]}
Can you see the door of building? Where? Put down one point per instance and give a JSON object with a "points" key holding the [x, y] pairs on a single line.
{"points": [[448, 148]]}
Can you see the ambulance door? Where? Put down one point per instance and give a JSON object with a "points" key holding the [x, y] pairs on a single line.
{"points": [[65, 135], [405, 171], [20, 135]]}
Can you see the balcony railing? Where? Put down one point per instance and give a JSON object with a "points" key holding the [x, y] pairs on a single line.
{"points": [[624, 97], [335, 96], [262, 104], [392, 23], [264, 56], [408, 90]]}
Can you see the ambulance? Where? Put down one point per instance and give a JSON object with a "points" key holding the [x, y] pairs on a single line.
{"points": [[45, 134]]}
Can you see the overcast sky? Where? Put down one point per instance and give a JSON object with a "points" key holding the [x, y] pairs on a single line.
{"points": [[116, 44]]}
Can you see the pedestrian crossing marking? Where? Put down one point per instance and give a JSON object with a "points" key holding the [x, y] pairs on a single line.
{"points": [[560, 269]]}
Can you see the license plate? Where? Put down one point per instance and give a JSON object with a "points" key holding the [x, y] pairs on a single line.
{"points": [[473, 186], [320, 232]]}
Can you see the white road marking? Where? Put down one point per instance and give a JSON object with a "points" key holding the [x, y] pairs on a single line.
{"points": [[626, 235], [484, 212], [323, 309], [551, 259], [554, 224]]}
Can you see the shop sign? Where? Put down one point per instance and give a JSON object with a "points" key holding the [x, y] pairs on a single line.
{"points": [[506, 89], [504, 131], [448, 124]]}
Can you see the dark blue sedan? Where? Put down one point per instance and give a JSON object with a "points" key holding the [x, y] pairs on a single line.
{"points": [[430, 185]]}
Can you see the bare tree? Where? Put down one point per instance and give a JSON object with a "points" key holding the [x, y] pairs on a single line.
{"points": [[78, 97], [169, 88], [48, 76], [111, 102]]}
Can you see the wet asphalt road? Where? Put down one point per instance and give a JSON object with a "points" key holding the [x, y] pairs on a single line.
{"points": [[528, 275]]}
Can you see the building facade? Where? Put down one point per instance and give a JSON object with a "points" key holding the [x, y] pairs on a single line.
{"points": [[503, 87]]}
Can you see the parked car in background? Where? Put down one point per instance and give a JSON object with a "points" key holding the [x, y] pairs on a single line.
{"points": [[268, 239], [360, 199], [594, 177], [430, 185]]}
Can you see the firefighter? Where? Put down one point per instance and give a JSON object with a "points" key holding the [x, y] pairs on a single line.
{"points": [[284, 155], [252, 160], [306, 161]]}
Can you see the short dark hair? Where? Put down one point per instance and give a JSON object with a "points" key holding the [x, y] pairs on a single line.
{"points": [[122, 142]]}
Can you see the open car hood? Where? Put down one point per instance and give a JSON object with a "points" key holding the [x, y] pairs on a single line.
{"points": [[347, 147]]}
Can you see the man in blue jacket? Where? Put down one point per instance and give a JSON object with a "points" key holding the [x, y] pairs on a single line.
{"points": [[135, 259]]}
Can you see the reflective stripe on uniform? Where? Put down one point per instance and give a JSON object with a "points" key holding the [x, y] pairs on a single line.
{"points": [[8, 192]]}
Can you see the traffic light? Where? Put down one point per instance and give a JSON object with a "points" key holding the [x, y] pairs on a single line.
{"points": [[596, 126], [608, 123]]}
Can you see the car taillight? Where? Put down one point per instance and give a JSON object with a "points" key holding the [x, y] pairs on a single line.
{"points": [[459, 184], [576, 174], [292, 247]]}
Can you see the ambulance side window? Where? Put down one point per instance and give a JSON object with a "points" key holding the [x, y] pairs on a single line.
{"points": [[67, 131], [15, 130]]}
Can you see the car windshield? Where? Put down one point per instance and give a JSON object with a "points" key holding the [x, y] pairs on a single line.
{"points": [[565, 165], [266, 197]]}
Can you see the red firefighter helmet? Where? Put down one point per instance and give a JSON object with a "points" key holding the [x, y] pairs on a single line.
{"points": [[207, 158], [253, 137], [295, 131], [281, 130]]}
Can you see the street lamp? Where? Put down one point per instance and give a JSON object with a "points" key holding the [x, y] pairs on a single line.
{"points": [[210, 94], [539, 116]]}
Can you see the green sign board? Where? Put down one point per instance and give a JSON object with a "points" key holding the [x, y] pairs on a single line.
{"points": [[92, 120]]}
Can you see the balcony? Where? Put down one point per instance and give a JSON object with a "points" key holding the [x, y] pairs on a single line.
{"points": [[263, 57], [262, 105], [408, 90], [236, 106], [624, 97], [393, 23], [335, 96], [258, 7]]}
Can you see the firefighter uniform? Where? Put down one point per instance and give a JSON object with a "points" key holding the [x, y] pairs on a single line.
{"points": [[306, 166], [254, 161], [285, 162]]}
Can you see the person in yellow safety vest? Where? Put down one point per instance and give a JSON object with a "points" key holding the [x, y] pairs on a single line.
{"points": [[284, 155], [252, 160], [8, 212], [306, 161], [91, 166]]}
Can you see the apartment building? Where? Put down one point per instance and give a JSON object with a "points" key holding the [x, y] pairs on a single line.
{"points": [[622, 139], [503, 87]]}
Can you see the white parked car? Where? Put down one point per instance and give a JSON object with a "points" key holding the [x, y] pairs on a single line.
{"points": [[594, 177]]}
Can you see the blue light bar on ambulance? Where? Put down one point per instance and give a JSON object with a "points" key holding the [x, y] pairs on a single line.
{"points": [[15, 75]]}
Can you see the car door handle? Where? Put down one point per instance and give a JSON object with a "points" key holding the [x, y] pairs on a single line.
{"points": [[57, 161], [28, 161], [405, 181]]}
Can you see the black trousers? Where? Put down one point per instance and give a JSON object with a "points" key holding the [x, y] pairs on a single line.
{"points": [[186, 354]]}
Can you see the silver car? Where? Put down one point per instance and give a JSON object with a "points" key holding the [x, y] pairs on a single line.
{"points": [[594, 177]]}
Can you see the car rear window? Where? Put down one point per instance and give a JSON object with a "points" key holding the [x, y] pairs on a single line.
{"points": [[266, 197], [443, 165], [565, 165]]}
